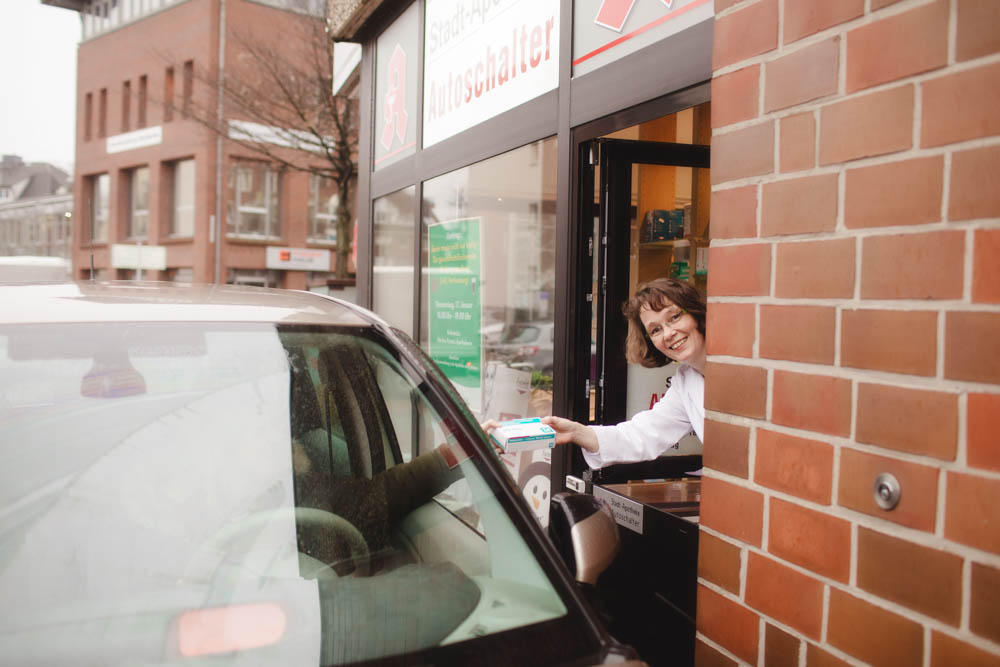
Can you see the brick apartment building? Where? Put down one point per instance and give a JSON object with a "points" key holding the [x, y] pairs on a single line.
{"points": [[152, 182]]}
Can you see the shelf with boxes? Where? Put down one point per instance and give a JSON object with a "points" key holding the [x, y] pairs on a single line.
{"points": [[666, 237]]}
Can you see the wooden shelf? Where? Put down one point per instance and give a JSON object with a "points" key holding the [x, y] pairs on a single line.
{"points": [[671, 243]]}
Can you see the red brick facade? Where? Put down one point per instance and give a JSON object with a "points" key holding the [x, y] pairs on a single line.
{"points": [[854, 310], [174, 53]]}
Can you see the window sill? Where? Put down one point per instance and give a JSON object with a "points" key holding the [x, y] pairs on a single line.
{"points": [[253, 240], [176, 240]]}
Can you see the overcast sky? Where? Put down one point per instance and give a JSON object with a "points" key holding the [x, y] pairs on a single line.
{"points": [[38, 84]]}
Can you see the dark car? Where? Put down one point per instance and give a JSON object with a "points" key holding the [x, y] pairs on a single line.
{"points": [[229, 476]]}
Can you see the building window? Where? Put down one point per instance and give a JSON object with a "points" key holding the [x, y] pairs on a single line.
{"points": [[392, 262], [188, 87], [126, 105], [88, 115], [102, 114], [323, 201], [255, 277], [254, 200], [141, 120], [99, 191], [168, 96], [139, 203], [182, 275], [181, 175]]}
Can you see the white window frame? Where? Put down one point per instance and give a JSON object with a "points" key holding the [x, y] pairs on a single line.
{"points": [[99, 212], [272, 201], [175, 208], [316, 214], [137, 214]]}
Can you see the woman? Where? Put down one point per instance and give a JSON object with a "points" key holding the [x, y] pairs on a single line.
{"points": [[666, 322]]}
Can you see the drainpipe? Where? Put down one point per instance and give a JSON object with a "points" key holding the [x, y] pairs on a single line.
{"points": [[217, 223]]}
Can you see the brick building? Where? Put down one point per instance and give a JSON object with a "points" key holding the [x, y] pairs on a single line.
{"points": [[851, 221], [36, 209], [158, 190]]}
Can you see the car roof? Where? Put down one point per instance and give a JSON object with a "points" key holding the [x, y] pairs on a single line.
{"points": [[125, 301]]}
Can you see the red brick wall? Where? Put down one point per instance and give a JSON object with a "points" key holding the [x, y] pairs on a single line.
{"points": [[853, 329]]}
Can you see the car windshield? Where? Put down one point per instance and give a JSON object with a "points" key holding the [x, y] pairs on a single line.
{"points": [[255, 493], [521, 333]]}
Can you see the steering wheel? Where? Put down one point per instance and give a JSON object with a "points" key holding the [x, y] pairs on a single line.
{"points": [[331, 526], [243, 533]]}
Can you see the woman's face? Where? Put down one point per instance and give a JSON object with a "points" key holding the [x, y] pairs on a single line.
{"points": [[674, 332]]}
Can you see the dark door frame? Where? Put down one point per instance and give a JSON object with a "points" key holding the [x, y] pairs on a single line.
{"points": [[617, 159]]}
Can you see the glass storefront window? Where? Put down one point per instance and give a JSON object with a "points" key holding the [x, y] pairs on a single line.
{"points": [[488, 277], [392, 259]]}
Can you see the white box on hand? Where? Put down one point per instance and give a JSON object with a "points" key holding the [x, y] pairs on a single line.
{"points": [[519, 435]]}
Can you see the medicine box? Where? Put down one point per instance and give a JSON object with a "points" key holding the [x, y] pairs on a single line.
{"points": [[518, 435], [662, 225]]}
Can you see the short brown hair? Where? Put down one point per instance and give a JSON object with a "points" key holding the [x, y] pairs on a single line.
{"points": [[657, 295]]}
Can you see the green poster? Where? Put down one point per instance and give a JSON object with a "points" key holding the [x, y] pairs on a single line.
{"points": [[455, 311]]}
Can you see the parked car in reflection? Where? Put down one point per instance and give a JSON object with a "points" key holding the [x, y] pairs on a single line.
{"points": [[249, 476], [527, 345]]}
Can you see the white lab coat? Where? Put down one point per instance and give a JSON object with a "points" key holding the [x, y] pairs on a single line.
{"points": [[652, 432]]}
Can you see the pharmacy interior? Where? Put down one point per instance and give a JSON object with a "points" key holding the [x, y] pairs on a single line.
{"points": [[524, 165]]}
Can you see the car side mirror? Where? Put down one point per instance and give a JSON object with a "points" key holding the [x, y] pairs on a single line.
{"points": [[585, 533]]}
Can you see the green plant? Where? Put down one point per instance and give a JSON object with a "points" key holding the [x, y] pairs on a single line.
{"points": [[540, 380]]}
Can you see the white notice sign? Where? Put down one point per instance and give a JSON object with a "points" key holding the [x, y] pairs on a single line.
{"points": [[484, 57], [628, 513], [298, 259], [147, 136], [135, 256]]}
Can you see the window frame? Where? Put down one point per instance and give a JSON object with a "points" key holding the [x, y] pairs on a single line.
{"points": [[271, 208], [99, 206], [173, 169], [316, 217], [135, 213]]}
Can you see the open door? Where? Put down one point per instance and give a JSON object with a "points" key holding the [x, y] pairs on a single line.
{"points": [[645, 195], [652, 222]]}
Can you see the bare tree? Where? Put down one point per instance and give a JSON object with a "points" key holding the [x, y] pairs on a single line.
{"points": [[278, 103]]}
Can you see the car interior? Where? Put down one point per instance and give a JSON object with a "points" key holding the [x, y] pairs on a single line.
{"points": [[234, 470]]}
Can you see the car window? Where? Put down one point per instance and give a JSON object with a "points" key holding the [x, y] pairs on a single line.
{"points": [[255, 493], [520, 333]]}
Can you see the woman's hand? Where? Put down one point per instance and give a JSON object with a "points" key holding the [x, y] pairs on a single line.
{"points": [[569, 431], [488, 426]]}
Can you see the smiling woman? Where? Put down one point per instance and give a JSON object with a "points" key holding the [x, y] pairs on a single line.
{"points": [[666, 323]]}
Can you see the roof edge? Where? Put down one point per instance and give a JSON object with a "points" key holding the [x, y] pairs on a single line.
{"points": [[346, 17], [74, 5]]}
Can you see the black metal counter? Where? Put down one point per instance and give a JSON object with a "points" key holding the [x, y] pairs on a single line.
{"points": [[649, 592]]}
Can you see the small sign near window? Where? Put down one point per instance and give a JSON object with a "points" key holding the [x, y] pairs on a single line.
{"points": [[298, 259], [128, 256], [149, 136]]}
